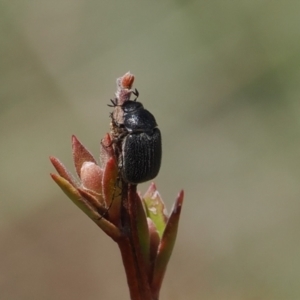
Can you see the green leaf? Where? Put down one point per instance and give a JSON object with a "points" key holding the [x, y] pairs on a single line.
{"points": [[155, 209]]}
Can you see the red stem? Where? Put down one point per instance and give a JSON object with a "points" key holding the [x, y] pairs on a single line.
{"points": [[135, 267]]}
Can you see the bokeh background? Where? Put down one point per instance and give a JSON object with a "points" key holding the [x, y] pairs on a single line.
{"points": [[222, 79]]}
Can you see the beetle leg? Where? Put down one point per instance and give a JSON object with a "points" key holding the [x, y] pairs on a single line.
{"points": [[117, 184], [136, 94], [114, 103]]}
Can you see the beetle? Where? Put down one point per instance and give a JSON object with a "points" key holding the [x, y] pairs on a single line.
{"points": [[141, 146], [140, 141]]}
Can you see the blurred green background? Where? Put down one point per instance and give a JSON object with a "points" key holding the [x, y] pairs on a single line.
{"points": [[222, 79]]}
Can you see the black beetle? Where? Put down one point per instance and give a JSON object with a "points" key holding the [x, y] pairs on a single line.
{"points": [[141, 147], [141, 150]]}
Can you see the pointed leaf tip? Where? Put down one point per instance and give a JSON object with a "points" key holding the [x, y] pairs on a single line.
{"points": [[80, 154], [62, 170], [152, 189], [178, 203]]}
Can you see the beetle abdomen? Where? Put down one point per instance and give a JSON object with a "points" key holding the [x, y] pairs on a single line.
{"points": [[141, 156]]}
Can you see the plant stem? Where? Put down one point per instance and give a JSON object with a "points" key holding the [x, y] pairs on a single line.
{"points": [[129, 245]]}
